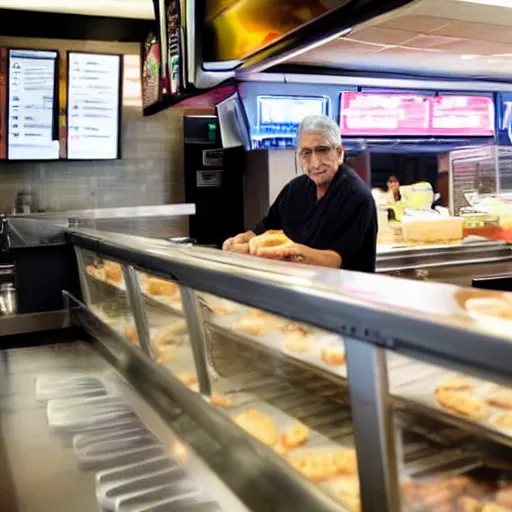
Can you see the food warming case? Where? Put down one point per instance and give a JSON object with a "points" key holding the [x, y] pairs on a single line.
{"points": [[300, 388]]}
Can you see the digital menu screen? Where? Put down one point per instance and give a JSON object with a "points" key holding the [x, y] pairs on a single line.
{"points": [[32, 112], [379, 114], [275, 111], [94, 106]]}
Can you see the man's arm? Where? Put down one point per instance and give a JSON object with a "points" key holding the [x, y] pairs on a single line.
{"points": [[302, 254], [240, 243]]}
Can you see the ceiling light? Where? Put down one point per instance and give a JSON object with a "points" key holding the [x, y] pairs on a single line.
{"points": [[493, 3], [468, 57]]}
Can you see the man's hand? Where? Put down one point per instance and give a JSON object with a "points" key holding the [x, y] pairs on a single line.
{"points": [[301, 254], [238, 243], [287, 252]]}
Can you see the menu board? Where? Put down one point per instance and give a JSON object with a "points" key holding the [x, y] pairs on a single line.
{"points": [[32, 133], [94, 106], [275, 111], [379, 114]]}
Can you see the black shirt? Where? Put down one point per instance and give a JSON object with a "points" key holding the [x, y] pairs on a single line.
{"points": [[343, 220]]}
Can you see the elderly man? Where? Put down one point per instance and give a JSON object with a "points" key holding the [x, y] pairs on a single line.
{"points": [[328, 213]]}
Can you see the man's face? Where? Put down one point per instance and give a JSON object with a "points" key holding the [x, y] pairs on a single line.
{"points": [[319, 158]]}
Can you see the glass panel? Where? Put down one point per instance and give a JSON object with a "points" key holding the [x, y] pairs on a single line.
{"points": [[170, 341], [465, 425], [107, 290], [284, 382]]}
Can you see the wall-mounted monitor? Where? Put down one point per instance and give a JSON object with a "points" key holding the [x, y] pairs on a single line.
{"points": [[94, 106], [278, 118], [32, 121], [391, 115]]}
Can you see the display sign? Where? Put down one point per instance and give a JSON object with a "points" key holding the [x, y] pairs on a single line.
{"points": [[32, 105], [94, 106], [275, 112], [378, 114], [504, 120]]}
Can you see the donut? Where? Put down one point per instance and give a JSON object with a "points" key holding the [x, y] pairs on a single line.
{"points": [[269, 239]]}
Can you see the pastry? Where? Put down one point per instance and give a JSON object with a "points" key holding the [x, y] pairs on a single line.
{"points": [[156, 286], [462, 403], [504, 497], [258, 425], [323, 466], [295, 436], [334, 356], [257, 323], [167, 333], [295, 328], [270, 239], [297, 343], [187, 378], [348, 492], [468, 504], [96, 272], [501, 398], [456, 383], [165, 353], [503, 421], [113, 271], [493, 507], [280, 448], [130, 333], [221, 400]]}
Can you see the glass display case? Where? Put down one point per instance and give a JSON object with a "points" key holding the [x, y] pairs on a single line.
{"points": [[311, 389]]}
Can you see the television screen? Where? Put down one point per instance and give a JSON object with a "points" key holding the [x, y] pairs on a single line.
{"points": [[94, 106], [32, 105], [408, 114]]}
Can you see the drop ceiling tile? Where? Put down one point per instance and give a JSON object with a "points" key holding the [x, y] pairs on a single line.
{"points": [[383, 36], [478, 31], [432, 41], [475, 47], [419, 24]]}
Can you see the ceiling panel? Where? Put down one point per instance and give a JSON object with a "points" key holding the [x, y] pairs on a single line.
{"points": [[427, 38], [419, 24], [384, 36]]}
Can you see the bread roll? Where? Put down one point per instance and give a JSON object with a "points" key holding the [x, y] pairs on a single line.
{"points": [[113, 271], [156, 286]]}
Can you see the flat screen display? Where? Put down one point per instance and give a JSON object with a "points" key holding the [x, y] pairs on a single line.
{"points": [[278, 111], [94, 106], [32, 108], [379, 114]]}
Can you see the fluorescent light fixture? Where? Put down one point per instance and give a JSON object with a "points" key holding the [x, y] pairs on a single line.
{"points": [[490, 3], [468, 57]]}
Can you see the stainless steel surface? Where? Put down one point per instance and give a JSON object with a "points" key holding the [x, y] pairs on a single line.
{"points": [[192, 312], [374, 430], [30, 232], [41, 467], [159, 390], [405, 316], [135, 300], [129, 212], [82, 275], [33, 322], [401, 259]]}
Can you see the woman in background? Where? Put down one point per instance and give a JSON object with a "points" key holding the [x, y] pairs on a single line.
{"points": [[393, 193]]}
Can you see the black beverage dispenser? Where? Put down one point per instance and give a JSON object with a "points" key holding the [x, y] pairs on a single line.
{"points": [[213, 182]]}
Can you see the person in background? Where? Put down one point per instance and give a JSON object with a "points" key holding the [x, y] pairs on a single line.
{"points": [[393, 194], [328, 212]]}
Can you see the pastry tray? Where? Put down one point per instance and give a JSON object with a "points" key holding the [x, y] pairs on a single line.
{"points": [[54, 386], [416, 386]]}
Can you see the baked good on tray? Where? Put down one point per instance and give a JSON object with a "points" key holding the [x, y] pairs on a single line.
{"points": [[334, 356], [157, 286], [113, 271], [462, 403], [259, 425]]}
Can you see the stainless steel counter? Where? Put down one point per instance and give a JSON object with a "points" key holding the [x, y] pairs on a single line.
{"points": [[40, 471]]}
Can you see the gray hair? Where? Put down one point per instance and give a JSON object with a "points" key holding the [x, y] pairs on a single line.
{"points": [[322, 124]]}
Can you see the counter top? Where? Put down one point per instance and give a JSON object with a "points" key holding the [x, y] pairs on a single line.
{"points": [[38, 469]]}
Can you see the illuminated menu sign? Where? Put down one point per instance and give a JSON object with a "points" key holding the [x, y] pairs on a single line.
{"points": [[31, 105], [367, 114], [94, 92]]}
